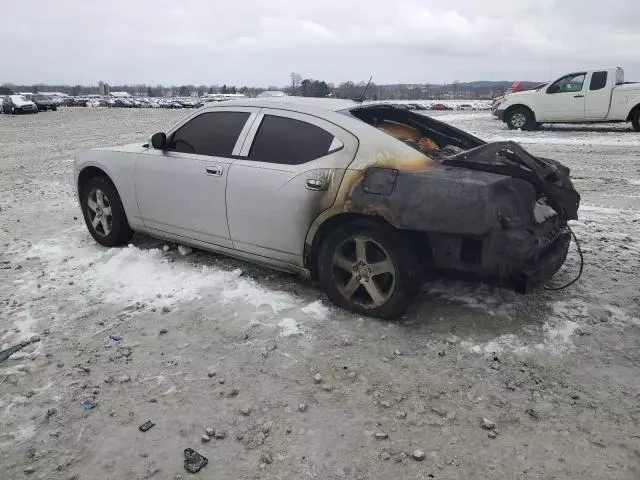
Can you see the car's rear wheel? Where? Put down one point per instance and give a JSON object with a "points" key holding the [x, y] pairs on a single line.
{"points": [[635, 120], [520, 118], [103, 212], [54, 108], [368, 267]]}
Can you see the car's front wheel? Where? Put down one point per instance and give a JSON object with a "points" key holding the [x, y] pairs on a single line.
{"points": [[369, 268], [103, 212], [520, 118]]}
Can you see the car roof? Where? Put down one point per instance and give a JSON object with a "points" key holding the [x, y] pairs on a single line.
{"points": [[299, 104]]}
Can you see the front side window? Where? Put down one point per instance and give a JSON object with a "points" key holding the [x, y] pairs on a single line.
{"points": [[598, 80], [212, 133], [567, 84], [291, 142]]}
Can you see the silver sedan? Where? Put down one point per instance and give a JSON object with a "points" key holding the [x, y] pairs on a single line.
{"points": [[367, 199]]}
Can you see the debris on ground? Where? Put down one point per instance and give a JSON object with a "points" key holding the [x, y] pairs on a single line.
{"points": [[148, 425], [193, 461], [184, 250], [88, 405], [418, 455], [4, 354], [488, 424]]}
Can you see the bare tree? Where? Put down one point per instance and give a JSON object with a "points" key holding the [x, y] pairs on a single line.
{"points": [[296, 81]]}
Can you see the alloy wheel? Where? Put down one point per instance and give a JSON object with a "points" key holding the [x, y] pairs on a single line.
{"points": [[99, 211], [364, 272]]}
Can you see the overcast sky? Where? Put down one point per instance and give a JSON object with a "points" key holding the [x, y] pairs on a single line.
{"points": [[259, 42]]}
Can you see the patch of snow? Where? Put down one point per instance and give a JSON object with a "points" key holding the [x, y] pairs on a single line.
{"points": [[121, 275], [290, 328], [558, 336], [23, 322], [548, 139], [316, 310], [184, 250], [507, 343]]}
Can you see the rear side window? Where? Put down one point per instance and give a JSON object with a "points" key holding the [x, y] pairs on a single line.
{"points": [[212, 133], [598, 80], [290, 142]]}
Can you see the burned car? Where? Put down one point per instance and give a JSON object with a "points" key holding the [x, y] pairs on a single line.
{"points": [[366, 199]]}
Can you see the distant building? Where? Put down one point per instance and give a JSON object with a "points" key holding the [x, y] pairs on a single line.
{"points": [[101, 88], [120, 94]]}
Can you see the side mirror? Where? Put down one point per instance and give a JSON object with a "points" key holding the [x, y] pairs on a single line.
{"points": [[553, 89], [159, 140]]}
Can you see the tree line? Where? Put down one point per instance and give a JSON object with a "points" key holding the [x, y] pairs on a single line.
{"points": [[298, 86]]}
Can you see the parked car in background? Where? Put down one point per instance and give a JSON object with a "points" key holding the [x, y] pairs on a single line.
{"points": [[18, 104], [588, 96], [44, 102], [440, 106], [367, 199], [465, 107]]}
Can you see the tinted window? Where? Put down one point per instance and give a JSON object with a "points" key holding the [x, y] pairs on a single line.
{"points": [[570, 83], [598, 80], [213, 133], [288, 141]]}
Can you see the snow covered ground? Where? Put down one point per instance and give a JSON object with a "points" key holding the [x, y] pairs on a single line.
{"points": [[197, 339]]}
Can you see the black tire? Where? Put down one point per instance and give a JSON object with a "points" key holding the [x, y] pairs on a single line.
{"points": [[635, 120], [117, 231], [54, 108], [520, 118], [381, 242]]}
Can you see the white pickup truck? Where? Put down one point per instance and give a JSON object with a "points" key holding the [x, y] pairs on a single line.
{"points": [[582, 97]]}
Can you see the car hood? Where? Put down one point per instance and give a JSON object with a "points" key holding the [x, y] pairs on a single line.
{"points": [[129, 148], [22, 103], [525, 93]]}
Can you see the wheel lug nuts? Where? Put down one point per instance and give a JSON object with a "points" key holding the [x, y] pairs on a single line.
{"points": [[358, 277]]}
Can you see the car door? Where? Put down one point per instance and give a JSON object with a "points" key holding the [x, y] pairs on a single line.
{"points": [[564, 99], [181, 189], [598, 96], [289, 172]]}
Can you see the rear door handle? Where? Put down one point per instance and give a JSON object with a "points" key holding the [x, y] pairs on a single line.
{"points": [[215, 170], [578, 96]]}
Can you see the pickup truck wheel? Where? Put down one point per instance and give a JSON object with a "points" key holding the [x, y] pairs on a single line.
{"points": [[520, 118], [368, 268], [635, 120], [103, 213]]}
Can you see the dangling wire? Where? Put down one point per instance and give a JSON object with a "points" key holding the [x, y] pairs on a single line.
{"points": [[575, 239]]}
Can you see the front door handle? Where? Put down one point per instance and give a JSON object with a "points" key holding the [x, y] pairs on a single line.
{"points": [[215, 170], [317, 184], [578, 96]]}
